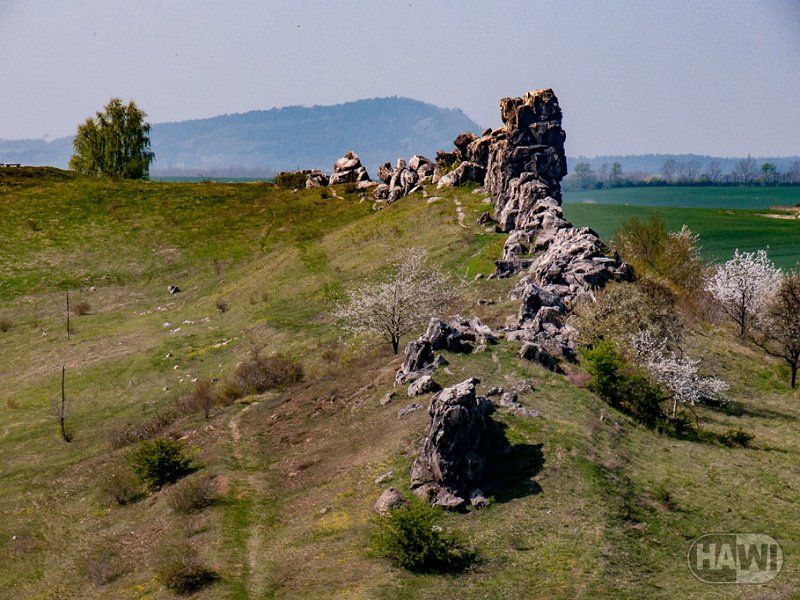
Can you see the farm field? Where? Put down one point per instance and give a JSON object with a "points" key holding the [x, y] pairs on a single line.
{"points": [[721, 229], [744, 198]]}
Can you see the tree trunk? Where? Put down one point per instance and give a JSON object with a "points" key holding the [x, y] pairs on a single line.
{"points": [[395, 344], [794, 375]]}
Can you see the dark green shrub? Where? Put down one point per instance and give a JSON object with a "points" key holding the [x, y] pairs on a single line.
{"points": [[736, 437], [682, 425], [410, 537], [160, 461], [179, 569], [290, 180], [663, 495], [621, 386], [350, 188], [605, 364], [192, 494]]}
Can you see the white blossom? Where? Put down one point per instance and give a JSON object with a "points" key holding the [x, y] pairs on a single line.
{"points": [[677, 375], [392, 308], [743, 285]]}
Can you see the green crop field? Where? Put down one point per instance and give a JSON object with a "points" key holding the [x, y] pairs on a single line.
{"points": [[721, 230], [745, 198]]}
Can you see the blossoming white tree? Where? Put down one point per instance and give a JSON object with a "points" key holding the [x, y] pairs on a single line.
{"points": [[677, 375], [742, 286], [394, 307]]}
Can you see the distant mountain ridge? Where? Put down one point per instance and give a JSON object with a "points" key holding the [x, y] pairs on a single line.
{"points": [[294, 137]]}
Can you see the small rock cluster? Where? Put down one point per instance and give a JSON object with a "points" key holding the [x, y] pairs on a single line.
{"points": [[456, 335], [404, 179], [348, 169]]}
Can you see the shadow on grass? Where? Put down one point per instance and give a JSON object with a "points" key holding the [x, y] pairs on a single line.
{"points": [[511, 468]]}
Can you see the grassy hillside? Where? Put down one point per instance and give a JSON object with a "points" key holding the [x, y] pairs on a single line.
{"points": [[582, 515]]}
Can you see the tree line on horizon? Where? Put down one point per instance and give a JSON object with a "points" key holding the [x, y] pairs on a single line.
{"points": [[746, 171]]}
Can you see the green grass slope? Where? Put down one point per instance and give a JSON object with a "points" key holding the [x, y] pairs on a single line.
{"points": [[581, 514]]}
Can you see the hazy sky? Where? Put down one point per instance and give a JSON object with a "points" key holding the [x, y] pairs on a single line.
{"points": [[707, 76]]}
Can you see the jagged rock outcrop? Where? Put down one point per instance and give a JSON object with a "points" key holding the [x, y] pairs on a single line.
{"points": [[450, 468], [348, 169], [404, 179]]}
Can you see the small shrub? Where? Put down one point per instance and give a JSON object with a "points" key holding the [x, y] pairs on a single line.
{"points": [[324, 194], [290, 180], [410, 537], [81, 308], [663, 495], [258, 374], [118, 484], [221, 305], [179, 569], [201, 398], [5, 324], [192, 494], [130, 433], [350, 188], [160, 461], [736, 437], [100, 564], [621, 386], [682, 425]]}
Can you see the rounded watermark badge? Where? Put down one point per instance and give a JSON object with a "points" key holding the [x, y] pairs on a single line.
{"points": [[735, 558]]}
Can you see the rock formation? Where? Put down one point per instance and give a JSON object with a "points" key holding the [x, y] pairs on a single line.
{"points": [[451, 465], [404, 179], [348, 169]]}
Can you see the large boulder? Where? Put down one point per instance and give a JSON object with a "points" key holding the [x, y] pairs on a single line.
{"points": [[348, 169], [452, 462]]}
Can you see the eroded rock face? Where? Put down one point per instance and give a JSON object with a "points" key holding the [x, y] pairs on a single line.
{"points": [[525, 165], [315, 179], [451, 465], [348, 169]]}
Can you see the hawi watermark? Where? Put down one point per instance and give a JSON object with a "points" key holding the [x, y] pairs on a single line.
{"points": [[735, 558]]}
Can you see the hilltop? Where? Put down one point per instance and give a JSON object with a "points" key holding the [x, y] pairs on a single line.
{"points": [[263, 142]]}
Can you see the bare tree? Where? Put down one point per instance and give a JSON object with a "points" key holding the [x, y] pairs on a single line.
{"points": [[745, 170], [793, 176], [669, 170], [778, 329], [394, 307], [60, 410], [714, 172]]}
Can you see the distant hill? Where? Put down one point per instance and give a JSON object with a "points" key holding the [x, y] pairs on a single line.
{"points": [[267, 141]]}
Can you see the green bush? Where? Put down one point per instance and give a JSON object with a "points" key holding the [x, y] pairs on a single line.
{"points": [[290, 180], [179, 569], [621, 386], [160, 461], [605, 364], [736, 437], [410, 537]]}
